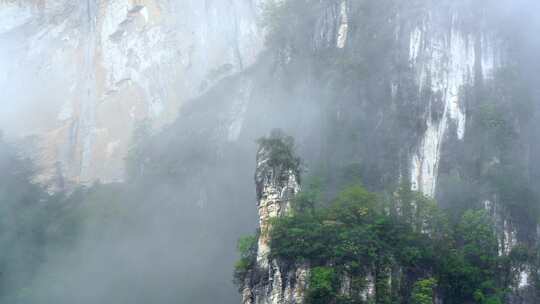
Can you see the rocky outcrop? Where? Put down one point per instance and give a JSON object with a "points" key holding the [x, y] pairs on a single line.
{"points": [[272, 281]]}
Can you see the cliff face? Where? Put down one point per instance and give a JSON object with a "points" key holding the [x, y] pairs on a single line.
{"points": [[445, 59], [433, 90], [96, 68], [271, 281], [449, 60]]}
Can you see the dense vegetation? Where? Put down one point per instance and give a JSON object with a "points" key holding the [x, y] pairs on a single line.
{"points": [[399, 244], [357, 237]]}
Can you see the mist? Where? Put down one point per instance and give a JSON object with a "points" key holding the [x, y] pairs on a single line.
{"points": [[132, 183]]}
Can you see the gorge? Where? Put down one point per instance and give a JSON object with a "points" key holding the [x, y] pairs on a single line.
{"points": [[142, 119]]}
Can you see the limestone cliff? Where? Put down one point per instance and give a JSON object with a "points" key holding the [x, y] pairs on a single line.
{"points": [[96, 68], [446, 59]]}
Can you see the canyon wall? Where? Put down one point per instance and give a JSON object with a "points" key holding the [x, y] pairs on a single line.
{"points": [[80, 75]]}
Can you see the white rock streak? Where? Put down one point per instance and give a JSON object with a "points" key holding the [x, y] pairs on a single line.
{"points": [[444, 63], [523, 279], [344, 26]]}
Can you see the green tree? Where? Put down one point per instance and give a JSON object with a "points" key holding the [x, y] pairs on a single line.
{"points": [[309, 197], [355, 205], [323, 283], [469, 270], [423, 291], [281, 151]]}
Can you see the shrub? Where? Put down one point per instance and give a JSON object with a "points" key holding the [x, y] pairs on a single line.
{"points": [[247, 248], [281, 151], [323, 285]]}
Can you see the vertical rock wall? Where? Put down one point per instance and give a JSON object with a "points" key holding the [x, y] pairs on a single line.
{"points": [[81, 74], [446, 59]]}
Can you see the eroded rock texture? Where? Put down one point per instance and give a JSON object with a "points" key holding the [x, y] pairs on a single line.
{"points": [[271, 280], [94, 69]]}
